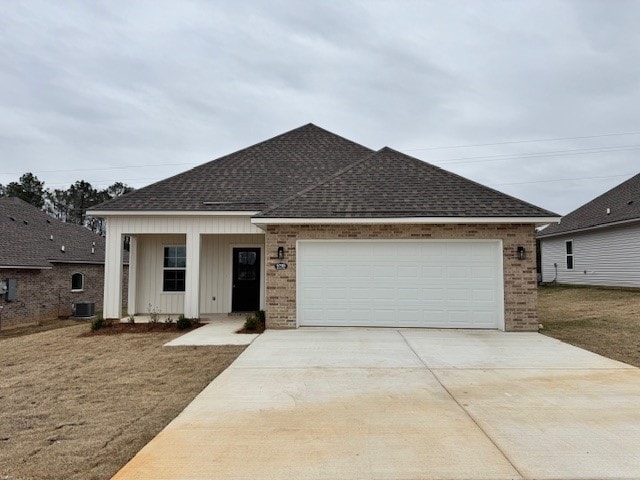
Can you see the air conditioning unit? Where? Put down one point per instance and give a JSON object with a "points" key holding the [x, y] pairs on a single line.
{"points": [[84, 309]]}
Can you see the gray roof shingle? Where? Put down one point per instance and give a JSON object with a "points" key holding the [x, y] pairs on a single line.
{"points": [[388, 183], [622, 201], [311, 172], [250, 179], [25, 238]]}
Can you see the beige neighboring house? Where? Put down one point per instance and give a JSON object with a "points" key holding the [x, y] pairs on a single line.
{"points": [[46, 266], [321, 231]]}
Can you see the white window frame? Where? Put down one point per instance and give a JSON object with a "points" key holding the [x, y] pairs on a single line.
{"points": [[164, 269], [81, 289], [567, 255]]}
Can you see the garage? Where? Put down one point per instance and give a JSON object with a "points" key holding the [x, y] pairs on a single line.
{"points": [[400, 283]]}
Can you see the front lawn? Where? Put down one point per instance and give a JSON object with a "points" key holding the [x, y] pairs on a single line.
{"points": [[605, 321], [80, 407]]}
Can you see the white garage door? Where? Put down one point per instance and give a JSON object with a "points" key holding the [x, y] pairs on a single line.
{"points": [[430, 283]]}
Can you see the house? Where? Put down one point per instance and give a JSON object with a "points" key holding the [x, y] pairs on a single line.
{"points": [[597, 244], [45, 265], [321, 231]]}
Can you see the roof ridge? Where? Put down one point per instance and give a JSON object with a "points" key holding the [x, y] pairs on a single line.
{"points": [[340, 172], [485, 187]]}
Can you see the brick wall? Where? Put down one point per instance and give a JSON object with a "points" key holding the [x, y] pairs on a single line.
{"points": [[520, 289], [46, 294]]}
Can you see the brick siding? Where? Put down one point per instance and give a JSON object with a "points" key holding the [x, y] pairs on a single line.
{"points": [[520, 287], [46, 294]]}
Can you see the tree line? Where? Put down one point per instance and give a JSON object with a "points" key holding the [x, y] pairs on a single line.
{"points": [[68, 205]]}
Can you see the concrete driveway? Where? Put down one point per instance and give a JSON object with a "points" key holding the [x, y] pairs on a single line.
{"points": [[405, 404]]}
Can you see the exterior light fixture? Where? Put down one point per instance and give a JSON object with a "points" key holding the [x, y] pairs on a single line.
{"points": [[280, 253], [522, 253]]}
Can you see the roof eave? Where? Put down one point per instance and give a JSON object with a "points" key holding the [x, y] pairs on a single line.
{"points": [[587, 229], [400, 220], [132, 213]]}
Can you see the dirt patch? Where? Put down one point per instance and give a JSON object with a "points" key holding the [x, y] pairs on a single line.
{"points": [[76, 407], [602, 320], [117, 328]]}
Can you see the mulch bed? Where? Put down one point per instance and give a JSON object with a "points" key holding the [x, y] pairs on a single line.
{"points": [[259, 329], [117, 328]]}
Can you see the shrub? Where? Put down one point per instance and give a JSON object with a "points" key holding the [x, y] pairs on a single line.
{"points": [[168, 320], [261, 316], [97, 323], [183, 322], [131, 319], [251, 323]]}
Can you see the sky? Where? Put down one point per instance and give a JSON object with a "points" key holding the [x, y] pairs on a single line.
{"points": [[538, 99]]}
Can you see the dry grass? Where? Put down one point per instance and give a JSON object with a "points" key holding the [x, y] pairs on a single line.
{"points": [[80, 408], [41, 326], [605, 321]]}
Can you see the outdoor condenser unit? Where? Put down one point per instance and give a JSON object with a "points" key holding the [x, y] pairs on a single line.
{"points": [[84, 309]]}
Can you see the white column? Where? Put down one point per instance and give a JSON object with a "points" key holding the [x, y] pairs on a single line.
{"points": [[112, 307], [192, 276], [133, 272]]}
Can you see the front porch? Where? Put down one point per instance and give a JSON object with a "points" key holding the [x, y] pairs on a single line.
{"points": [[207, 267]]}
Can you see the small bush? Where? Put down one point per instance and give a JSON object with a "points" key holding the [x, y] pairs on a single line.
{"points": [[131, 319], [251, 323], [154, 314], [261, 316], [97, 323], [183, 322], [168, 320]]}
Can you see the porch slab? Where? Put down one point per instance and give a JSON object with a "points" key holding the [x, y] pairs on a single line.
{"points": [[216, 332]]}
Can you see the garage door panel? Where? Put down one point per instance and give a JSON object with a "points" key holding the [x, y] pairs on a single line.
{"points": [[400, 283]]}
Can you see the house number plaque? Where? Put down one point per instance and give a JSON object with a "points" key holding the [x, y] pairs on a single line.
{"points": [[281, 266]]}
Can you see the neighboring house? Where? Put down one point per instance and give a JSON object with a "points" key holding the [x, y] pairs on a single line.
{"points": [[321, 231], [597, 244], [45, 265]]}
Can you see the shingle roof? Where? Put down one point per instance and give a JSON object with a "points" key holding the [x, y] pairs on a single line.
{"points": [[388, 183], [622, 202], [311, 172], [250, 179], [26, 238]]}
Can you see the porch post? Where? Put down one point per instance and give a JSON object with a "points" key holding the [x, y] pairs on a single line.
{"points": [[192, 278], [133, 271], [112, 306]]}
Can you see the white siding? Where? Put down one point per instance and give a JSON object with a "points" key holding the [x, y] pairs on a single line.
{"points": [[177, 224], [609, 257], [215, 272]]}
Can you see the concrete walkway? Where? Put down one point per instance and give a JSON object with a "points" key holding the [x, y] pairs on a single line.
{"points": [[217, 332], [405, 404]]}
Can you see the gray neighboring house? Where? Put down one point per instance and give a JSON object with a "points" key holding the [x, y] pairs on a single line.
{"points": [[597, 244], [321, 231], [45, 265]]}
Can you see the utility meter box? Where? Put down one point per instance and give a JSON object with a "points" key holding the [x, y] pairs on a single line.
{"points": [[3, 287], [11, 289]]}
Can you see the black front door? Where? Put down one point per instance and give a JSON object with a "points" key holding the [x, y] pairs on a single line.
{"points": [[245, 294]]}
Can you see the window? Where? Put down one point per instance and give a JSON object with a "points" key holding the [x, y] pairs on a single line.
{"points": [[174, 267], [569, 247], [77, 282]]}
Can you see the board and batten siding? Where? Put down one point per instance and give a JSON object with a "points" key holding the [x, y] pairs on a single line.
{"points": [[607, 257], [215, 272], [189, 227]]}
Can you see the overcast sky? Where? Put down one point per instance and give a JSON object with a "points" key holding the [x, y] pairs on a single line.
{"points": [[138, 91]]}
